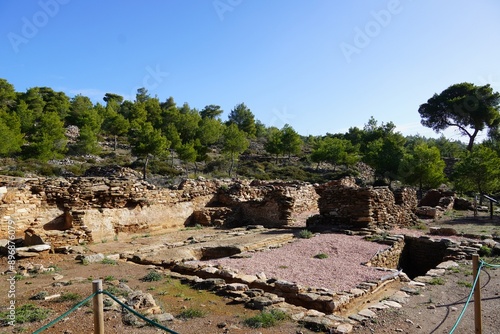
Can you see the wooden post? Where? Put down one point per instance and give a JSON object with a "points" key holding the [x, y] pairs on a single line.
{"points": [[477, 295], [98, 307]]}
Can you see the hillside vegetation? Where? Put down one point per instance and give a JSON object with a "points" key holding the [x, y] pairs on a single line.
{"points": [[45, 132]]}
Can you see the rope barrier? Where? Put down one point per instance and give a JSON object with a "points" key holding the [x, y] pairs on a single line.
{"points": [[149, 321], [491, 265], [74, 308], [481, 264], [62, 316]]}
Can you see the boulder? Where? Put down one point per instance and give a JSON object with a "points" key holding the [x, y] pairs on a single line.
{"points": [[462, 204], [428, 212], [443, 231]]}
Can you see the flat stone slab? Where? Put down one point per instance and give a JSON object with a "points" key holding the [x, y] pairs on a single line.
{"points": [[379, 306], [435, 272], [447, 265], [367, 313], [357, 317], [410, 291], [34, 248], [415, 283], [343, 329], [423, 279], [392, 304], [400, 297]]}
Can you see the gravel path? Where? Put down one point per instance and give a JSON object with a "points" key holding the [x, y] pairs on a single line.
{"points": [[295, 262]]}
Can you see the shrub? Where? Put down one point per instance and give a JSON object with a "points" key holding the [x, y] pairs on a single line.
{"points": [[152, 276], [306, 234], [27, 313], [466, 284], [109, 278], [437, 281], [108, 261], [40, 295], [191, 313], [266, 319], [321, 256], [485, 251], [69, 296]]}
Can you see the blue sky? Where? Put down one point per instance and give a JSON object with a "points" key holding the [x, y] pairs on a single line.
{"points": [[320, 66]]}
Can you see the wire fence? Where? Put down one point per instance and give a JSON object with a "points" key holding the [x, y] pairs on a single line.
{"points": [[128, 308], [482, 264]]}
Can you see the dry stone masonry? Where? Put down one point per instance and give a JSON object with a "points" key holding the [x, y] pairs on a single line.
{"points": [[72, 211], [344, 203]]}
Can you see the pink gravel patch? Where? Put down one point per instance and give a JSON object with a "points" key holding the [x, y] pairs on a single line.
{"points": [[295, 262]]}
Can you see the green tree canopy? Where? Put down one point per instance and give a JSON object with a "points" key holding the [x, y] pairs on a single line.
{"points": [[478, 171], [87, 142], [385, 154], [57, 102], [234, 143], [423, 167], [243, 118], [8, 95], [49, 140], [187, 153], [146, 141], [273, 143], [111, 98], [116, 125], [11, 138], [335, 151], [291, 143], [211, 111], [83, 112], [468, 107]]}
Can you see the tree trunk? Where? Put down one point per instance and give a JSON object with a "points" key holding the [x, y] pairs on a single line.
{"points": [[145, 168], [232, 164], [420, 194], [471, 140], [116, 143]]}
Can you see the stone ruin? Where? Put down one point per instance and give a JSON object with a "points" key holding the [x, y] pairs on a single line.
{"points": [[76, 210], [344, 204], [72, 211]]}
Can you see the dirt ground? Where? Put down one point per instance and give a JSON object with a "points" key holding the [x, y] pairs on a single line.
{"points": [[437, 307], [433, 310]]}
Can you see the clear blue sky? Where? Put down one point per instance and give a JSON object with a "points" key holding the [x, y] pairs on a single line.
{"points": [[321, 66]]}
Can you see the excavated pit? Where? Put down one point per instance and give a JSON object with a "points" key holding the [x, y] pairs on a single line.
{"points": [[419, 255]]}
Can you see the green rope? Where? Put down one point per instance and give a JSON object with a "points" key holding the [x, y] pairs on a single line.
{"points": [[481, 263], [149, 321], [491, 265], [64, 315]]}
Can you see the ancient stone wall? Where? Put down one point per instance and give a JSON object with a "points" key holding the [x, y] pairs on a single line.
{"points": [[90, 209], [268, 203], [389, 257], [342, 202]]}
